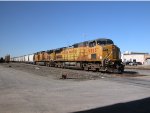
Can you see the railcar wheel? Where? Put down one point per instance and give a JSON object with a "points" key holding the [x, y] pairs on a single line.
{"points": [[86, 68]]}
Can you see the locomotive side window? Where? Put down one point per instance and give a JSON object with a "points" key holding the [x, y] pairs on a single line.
{"points": [[104, 42], [92, 44], [101, 42], [110, 42], [75, 45]]}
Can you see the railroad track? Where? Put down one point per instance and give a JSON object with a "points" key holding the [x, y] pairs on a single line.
{"points": [[129, 77]]}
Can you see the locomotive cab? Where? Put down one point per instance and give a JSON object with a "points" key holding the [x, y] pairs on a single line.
{"points": [[111, 55]]}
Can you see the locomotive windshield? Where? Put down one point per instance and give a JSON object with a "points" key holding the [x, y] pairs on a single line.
{"points": [[104, 42]]}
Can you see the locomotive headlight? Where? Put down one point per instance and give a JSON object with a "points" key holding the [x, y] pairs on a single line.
{"points": [[100, 57], [112, 63]]}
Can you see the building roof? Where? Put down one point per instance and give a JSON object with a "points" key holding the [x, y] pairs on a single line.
{"points": [[135, 53]]}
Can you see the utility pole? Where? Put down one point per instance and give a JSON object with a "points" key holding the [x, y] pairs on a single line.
{"points": [[84, 36]]}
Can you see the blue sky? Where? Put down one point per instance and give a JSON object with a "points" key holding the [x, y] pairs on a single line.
{"points": [[28, 27]]}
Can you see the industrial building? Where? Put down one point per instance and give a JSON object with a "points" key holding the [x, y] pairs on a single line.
{"points": [[140, 57], [147, 59]]}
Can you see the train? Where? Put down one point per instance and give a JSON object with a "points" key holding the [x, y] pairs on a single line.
{"points": [[98, 55], [7, 58]]}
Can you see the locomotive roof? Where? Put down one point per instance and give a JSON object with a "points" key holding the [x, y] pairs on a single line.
{"points": [[60, 48], [80, 43], [101, 39], [98, 39]]}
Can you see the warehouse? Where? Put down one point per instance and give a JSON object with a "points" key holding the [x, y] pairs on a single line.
{"points": [[140, 57]]}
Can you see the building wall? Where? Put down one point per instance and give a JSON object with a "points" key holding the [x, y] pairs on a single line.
{"points": [[147, 59], [147, 62], [131, 57]]}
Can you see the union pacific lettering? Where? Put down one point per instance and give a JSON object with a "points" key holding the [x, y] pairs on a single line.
{"points": [[69, 51], [92, 50]]}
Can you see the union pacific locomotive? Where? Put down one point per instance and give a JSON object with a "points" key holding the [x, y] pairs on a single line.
{"points": [[97, 55]]}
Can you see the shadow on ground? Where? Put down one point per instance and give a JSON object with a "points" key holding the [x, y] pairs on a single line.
{"points": [[138, 106], [130, 72]]}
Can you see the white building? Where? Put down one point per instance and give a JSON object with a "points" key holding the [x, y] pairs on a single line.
{"points": [[147, 60], [134, 57]]}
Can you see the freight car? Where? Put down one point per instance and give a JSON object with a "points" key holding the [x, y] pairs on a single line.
{"points": [[97, 55], [23, 59], [7, 58]]}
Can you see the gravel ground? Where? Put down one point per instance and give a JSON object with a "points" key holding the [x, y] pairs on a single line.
{"points": [[140, 67], [139, 71], [28, 88], [56, 73]]}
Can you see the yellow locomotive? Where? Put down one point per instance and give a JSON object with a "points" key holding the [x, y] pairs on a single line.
{"points": [[97, 55]]}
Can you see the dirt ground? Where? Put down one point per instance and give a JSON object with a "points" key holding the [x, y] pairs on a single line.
{"points": [[56, 73], [142, 67], [26, 88]]}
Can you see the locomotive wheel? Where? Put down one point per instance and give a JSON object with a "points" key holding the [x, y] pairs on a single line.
{"points": [[56, 65], [117, 71]]}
